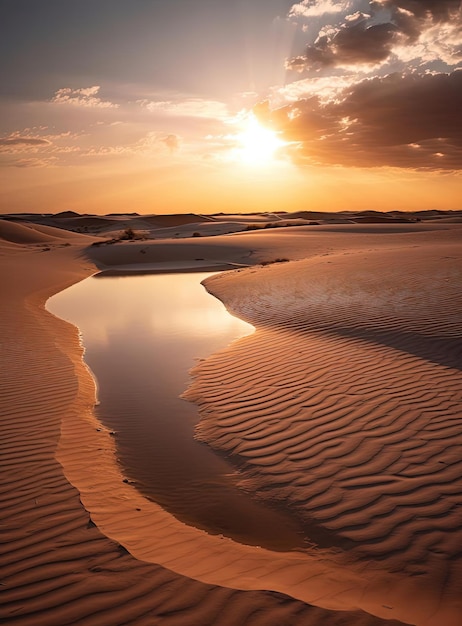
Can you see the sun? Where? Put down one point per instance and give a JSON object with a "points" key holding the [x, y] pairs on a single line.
{"points": [[257, 144]]}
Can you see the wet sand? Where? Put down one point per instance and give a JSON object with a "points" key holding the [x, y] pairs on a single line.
{"points": [[141, 336]]}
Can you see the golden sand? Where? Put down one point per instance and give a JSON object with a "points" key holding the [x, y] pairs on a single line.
{"points": [[344, 406]]}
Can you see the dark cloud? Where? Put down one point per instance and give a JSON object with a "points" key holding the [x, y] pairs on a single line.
{"points": [[405, 121], [351, 45], [360, 39], [23, 141], [438, 10]]}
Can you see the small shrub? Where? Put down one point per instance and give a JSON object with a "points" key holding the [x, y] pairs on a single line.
{"points": [[128, 234], [274, 261]]}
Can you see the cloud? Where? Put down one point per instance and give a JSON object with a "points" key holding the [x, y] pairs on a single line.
{"points": [[86, 97], [14, 140], [349, 46], [389, 28], [38, 147], [437, 10], [187, 107], [27, 163], [407, 121], [151, 144], [323, 87], [171, 141], [312, 8], [24, 142]]}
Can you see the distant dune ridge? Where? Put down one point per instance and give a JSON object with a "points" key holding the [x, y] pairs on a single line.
{"points": [[343, 407]]}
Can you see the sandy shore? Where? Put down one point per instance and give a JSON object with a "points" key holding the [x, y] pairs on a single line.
{"points": [[344, 406]]}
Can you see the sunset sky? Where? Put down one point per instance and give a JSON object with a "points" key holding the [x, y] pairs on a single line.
{"points": [[230, 105]]}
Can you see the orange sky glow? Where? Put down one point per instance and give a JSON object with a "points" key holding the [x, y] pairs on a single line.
{"points": [[264, 106]]}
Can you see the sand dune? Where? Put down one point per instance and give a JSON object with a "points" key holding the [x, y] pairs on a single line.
{"points": [[165, 221], [27, 233], [344, 406], [356, 424]]}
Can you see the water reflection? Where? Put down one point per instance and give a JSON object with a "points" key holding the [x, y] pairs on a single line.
{"points": [[142, 335]]}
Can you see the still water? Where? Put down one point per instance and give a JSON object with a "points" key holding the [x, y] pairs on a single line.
{"points": [[142, 335]]}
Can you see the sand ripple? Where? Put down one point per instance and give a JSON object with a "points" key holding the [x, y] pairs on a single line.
{"points": [[346, 405]]}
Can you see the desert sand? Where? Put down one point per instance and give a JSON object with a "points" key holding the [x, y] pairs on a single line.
{"points": [[343, 408]]}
